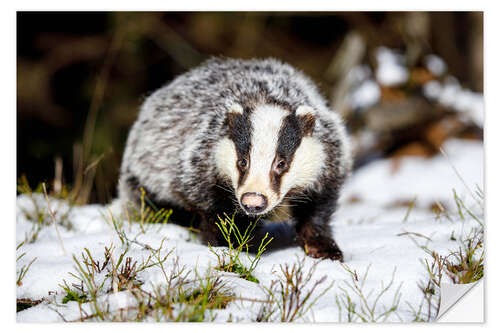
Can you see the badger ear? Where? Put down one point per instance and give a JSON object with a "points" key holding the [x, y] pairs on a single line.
{"points": [[236, 108], [306, 117], [234, 114], [236, 120]]}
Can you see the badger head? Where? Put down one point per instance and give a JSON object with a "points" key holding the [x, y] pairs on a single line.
{"points": [[269, 151]]}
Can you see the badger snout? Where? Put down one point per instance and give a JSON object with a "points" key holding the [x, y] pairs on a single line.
{"points": [[253, 203]]}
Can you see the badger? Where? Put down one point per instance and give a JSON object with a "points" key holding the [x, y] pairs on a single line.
{"points": [[246, 137]]}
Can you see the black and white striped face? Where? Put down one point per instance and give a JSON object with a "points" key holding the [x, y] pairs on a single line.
{"points": [[269, 152]]}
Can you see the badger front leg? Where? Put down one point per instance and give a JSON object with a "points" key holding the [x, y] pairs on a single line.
{"points": [[314, 232], [318, 242], [209, 231]]}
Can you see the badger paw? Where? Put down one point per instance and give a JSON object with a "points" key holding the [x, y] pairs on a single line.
{"points": [[324, 250]]}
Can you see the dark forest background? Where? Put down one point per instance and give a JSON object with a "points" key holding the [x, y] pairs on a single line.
{"points": [[82, 76]]}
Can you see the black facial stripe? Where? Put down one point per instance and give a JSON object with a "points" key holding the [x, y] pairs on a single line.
{"points": [[240, 131], [290, 136]]}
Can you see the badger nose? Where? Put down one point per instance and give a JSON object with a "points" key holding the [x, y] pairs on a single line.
{"points": [[253, 203]]}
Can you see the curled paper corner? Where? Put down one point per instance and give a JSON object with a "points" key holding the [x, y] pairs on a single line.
{"points": [[461, 302]]}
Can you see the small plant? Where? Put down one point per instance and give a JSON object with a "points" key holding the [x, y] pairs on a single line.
{"points": [[92, 283], [41, 214], [367, 308], [22, 272], [23, 187], [147, 214], [37, 215], [183, 299], [77, 294], [229, 260], [118, 225], [411, 205], [97, 278], [22, 304], [464, 211], [462, 266], [288, 297], [210, 294], [465, 265], [179, 299]]}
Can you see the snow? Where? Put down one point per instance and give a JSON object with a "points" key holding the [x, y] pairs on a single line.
{"points": [[377, 236], [366, 95], [359, 73], [391, 69], [432, 89], [386, 181], [435, 64], [364, 91], [452, 95]]}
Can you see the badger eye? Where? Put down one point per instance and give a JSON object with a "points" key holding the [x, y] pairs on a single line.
{"points": [[281, 164], [242, 163]]}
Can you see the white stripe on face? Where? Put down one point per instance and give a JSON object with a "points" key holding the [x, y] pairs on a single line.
{"points": [[307, 163], [266, 123], [225, 160]]}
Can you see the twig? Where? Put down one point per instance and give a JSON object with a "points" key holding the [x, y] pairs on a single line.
{"points": [[459, 176], [51, 213], [408, 211], [406, 233], [94, 163], [88, 132]]}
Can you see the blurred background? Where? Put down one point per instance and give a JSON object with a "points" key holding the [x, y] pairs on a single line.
{"points": [[404, 81]]}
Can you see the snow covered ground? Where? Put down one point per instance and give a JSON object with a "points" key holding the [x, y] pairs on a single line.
{"points": [[374, 226]]}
